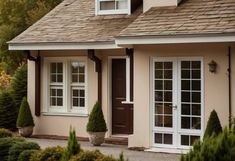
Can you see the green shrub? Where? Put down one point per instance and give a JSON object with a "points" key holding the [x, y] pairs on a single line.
{"points": [[121, 157], [25, 117], [8, 111], [73, 146], [17, 148], [213, 125], [96, 121], [213, 148], [48, 154], [87, 156], [6, 144], [19, 85], [25, 155], [5, 133]]}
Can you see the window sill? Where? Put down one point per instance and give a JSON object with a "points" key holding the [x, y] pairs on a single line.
{"points": [[65, 114]]}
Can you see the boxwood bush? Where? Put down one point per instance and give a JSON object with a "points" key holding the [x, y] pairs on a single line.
{"points": [[48, 154], [6, 144], [96, 121], [25, 117], [5, 133], [213, 125], [87, 156], [25, 155], [213, 148], [19, 147]]}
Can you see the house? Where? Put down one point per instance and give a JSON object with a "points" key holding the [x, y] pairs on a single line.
{"points": [[159, 67]]}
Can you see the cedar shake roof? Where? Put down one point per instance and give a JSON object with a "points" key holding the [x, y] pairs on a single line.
{"points": [[75, 21], [191, 17]]}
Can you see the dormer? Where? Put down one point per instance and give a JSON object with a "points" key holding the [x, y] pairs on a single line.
{"points": [[159, 3], [108, 7]]}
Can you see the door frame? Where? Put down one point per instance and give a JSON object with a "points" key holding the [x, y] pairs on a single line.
{"points": [[177, 131], [110, 58]]}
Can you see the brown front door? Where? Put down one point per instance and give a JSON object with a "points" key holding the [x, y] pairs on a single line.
{"points": [[122, 114]]}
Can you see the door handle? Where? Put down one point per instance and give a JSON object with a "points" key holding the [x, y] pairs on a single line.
{"points": [[174, 107]]}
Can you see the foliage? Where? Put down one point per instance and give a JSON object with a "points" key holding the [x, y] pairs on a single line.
{"points": [[5, 133], [25, 117], [5, 80], [73, 146], [96, 121], [19, 147], [15, 17], [106, 158], [213, 125], [87, 156], [6, 144], [48, 154], [19, 85], [8, 111], [25, 155], [121, 157], [213, 148]]}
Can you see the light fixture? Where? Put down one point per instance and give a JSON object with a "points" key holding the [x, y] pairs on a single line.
{"points": [[212, 66]]}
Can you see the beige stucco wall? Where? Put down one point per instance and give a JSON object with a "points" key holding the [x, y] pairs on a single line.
{"points": [[59, 125], [147, 4], [215, 85]]}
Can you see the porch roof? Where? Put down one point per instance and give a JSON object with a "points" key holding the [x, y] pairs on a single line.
{"points": [[190, 18], [74, 22]]}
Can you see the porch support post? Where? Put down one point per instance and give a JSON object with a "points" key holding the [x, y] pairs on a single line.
{"points": [[37, 61], [98, 69]]}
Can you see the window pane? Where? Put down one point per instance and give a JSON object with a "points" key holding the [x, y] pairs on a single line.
{"points": [[196, 123], [159, 84], [168, 96], [196, 109], [81, 68], [185, 140], [82, 102], [159, 109], [74, 78], [185, 122], [59, 101], [185, 74], [158, 74], [158, 96], [75, 102], [185, 96], [167, 65], [196, 85], [81, 78], [59, 67], [196, 97], [185, 109], [196, 64], [53, 67], [74, 67], [167, 138], [196, 74], [158, 138], [159, 120], [53, 78], [59, 92], [75, 92], [193, 139], [107, 5], [168, 74], [185, 84], [53, 101], [82, 93], [121, 4], [167, 84], [167, 108], [167, 121], [185, 64], [158, 65]]}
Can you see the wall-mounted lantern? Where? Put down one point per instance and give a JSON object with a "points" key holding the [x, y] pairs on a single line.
{"points": [[212, 66]]}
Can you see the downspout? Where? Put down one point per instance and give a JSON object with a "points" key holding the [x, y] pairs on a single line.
{"points": [[37, 61], [98, 69], [229, 86]]}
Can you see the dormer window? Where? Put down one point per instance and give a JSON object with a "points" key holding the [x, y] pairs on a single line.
{"points": [[105, 7]]}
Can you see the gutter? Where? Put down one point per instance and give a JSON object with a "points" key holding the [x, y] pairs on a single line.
{"points": [[229, 87], [98, 69]]}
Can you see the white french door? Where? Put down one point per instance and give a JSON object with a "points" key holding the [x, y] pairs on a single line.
{"points": [[177, 101]]}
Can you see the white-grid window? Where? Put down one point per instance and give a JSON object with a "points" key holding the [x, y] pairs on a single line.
{"points": [[66, 85], [112, 7]]}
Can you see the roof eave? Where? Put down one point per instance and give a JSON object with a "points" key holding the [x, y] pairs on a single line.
{"points": [[174, 39], [61, 46]]}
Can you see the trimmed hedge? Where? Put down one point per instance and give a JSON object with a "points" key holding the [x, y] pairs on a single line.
{"points": [[96, 121], [5, 133], [19, 147], [87, 156], [8, 111], [25, 117], [6, 144], [25, 155], [213, 148], [213, 125], [48, 154]]}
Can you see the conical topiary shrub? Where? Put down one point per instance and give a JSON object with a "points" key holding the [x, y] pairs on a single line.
{"points": [[96, 126], [25, 121], [73, 146], [213, 125], [19, 85], [96, 121], [8, 111]]}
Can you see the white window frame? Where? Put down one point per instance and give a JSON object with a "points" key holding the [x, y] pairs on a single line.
{"points": [[115, 11], [67, 108]]}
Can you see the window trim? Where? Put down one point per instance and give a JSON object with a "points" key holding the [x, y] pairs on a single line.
{"points": [[67, 108], [110, 12]]}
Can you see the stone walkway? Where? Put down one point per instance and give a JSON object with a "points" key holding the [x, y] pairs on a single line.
{"points": [[113, 150]]}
